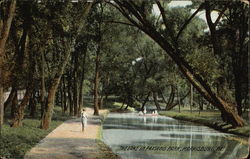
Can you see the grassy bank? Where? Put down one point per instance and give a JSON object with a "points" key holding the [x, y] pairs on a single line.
{"points": [[209, 118], [106, 152], [15, 142], [111, 106]]}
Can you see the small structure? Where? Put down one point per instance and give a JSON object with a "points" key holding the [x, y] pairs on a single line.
{"points": [[140, 113]]}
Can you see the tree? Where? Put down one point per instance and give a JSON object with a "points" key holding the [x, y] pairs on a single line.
{"points": [[138, 14], [5, 29], [229, 41], [24, 61], [68, 44]]}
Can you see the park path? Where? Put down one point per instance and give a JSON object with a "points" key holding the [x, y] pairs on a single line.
{"points": [[68, 141]]}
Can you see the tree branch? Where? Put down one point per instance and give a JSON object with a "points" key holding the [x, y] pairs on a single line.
{"points": [[119, 8], [119, 22], [162, 12], [208, 17], [220, 15], [189, 20], [164, 18]]}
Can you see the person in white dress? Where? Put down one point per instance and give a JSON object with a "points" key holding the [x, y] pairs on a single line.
{"points": [[145, 110], [84, 119]]}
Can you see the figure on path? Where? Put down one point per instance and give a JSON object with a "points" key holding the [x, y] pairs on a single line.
{"points": [[145, 110], [83, 119]]}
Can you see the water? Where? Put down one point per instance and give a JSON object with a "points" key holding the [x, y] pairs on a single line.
{"points": [[139, 137]]}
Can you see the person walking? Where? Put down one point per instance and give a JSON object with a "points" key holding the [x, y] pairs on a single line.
{"points": [[145, 110], [84, 119]]}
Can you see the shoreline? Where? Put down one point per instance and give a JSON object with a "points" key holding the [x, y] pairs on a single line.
{"points": [[217, 125]]}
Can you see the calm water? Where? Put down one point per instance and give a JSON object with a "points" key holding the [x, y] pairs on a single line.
{"points": [[137, 137]]}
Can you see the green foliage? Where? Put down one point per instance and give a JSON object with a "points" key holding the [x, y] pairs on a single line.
{"points": [[205, 63], [15, 142], [137, 104], [131, 64]]}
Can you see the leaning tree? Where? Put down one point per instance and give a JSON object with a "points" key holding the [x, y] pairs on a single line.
{"points": [[140, 15]]}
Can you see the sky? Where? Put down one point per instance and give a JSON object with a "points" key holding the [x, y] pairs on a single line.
{"points": [[179, 3], [176, 3]]}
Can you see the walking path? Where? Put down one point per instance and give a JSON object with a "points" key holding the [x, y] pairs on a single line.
{"points": [[68, 141]]}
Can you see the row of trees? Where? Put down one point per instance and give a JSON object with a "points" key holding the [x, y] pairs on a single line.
{"points": [[61, 51], [43, 37]]}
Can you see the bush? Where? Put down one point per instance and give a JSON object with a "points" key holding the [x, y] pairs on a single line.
{"points": [[15, 142]]}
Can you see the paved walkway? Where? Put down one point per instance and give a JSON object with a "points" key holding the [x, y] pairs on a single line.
{"points": [[68, 141]]}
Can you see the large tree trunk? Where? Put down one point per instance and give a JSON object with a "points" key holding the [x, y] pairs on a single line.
{"points": [[43, 87], [2, 107], [32, 105], [61, 96], [46, 119], [239, 54], [70, 99], [5, 28], [75, 84], [96, 84], [139, 19], [19, 112], [14, 103], [82, 81], [65, 106]]}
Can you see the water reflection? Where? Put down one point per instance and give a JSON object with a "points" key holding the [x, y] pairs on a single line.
{"points": [[146, 137]]}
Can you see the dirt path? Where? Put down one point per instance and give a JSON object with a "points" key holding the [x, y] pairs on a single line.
{"points": [[68, 141]]}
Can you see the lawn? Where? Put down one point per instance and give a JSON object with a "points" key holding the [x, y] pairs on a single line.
{"points": [[15, 142], [209, 118]]}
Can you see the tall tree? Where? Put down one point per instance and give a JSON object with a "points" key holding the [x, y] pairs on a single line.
{"points": [[6, 21], [229, 41], [68, 44], [24, 61]]}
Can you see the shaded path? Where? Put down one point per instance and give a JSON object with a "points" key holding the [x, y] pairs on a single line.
{"points": [[68, 141]]}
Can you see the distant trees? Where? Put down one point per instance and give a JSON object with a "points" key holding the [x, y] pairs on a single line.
{"points": [[43, 38]]}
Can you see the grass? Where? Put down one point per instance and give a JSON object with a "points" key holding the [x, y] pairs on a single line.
{"points": [[15, 142], [208, 118], [107, 153]]}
